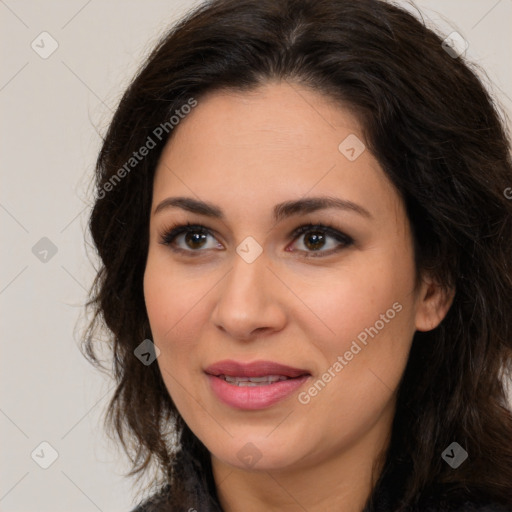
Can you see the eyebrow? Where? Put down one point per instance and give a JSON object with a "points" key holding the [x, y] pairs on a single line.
{"points": [[280, 211]]}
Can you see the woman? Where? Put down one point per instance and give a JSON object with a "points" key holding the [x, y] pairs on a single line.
{"points": [[305, 239]]}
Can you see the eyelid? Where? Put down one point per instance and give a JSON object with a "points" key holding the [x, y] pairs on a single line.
{"points": [[319, 226], [170, 233], [343, 239]]}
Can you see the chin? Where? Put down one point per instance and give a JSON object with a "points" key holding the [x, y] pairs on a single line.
{"points": [[258, 452]]}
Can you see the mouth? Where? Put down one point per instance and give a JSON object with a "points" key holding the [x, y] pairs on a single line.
{"points": [[253, 381], [257, 372], [254, 385]]}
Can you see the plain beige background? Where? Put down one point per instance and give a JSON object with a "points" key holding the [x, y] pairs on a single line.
{"points": [[52, 111]]}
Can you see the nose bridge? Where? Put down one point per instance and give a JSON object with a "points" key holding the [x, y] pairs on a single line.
{"points": [[245, 285], [246, 300]]}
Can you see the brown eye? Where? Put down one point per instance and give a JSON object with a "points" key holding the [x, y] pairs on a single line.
{"points": [[314, 238], [189, 239], [195, 240]]}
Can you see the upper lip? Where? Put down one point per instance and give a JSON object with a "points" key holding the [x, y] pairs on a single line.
{"points": [[254, 369]]}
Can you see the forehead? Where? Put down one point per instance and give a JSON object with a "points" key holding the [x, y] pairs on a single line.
{"points": [[276, 116], [278, 142]]}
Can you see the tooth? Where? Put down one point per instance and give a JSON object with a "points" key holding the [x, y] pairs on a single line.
{"points": [[267, 378], [254, 381], [235, 379]]}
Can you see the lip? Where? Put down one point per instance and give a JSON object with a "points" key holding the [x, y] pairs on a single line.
{"points": [[254, 397], [254, 369]]}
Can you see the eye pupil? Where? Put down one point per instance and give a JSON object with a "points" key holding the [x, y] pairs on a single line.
{"points": [[315, 240], [196, 239]]}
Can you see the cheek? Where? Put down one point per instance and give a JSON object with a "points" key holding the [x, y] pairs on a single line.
{"points": [[369, 311], [173, 306], [361, 365], [354, 298]]}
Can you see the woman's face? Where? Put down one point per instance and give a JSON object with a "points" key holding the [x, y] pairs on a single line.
{"points": [[336, 304]]}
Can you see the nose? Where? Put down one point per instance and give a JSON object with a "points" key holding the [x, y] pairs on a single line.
{"points": [[249, 300]]}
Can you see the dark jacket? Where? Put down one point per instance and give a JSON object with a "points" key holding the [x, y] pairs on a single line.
{"points": [[154, 505], [158, 504], [385, 497]]}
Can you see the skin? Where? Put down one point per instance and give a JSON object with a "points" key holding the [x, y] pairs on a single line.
{"points": [[246, 152]]}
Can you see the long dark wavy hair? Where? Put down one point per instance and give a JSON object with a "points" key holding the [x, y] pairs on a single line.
{"points": [[440, 138]]}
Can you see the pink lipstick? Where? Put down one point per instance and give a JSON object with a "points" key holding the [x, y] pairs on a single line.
{"points": [[255, 385]]}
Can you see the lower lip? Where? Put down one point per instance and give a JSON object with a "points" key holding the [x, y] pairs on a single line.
{"points": [[254, 397]]}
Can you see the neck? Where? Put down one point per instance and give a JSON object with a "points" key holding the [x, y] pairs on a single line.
{"points": [[340, 481]]}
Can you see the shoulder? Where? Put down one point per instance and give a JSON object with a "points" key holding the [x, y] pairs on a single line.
{"points": [[389, 492], [388, 497], [165, 500], [471, 507], [151, 506], [455, 502], [461, 505], [158, 502]]}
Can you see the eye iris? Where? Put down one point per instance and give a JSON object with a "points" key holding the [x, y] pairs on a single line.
{"points": [[315, 240], [194, 239]]}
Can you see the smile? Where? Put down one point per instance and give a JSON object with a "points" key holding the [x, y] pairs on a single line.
{"points": [[256, 385], [253, 381]]}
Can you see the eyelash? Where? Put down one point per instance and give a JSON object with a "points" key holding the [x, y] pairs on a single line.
{"points": [[168, 236]]}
